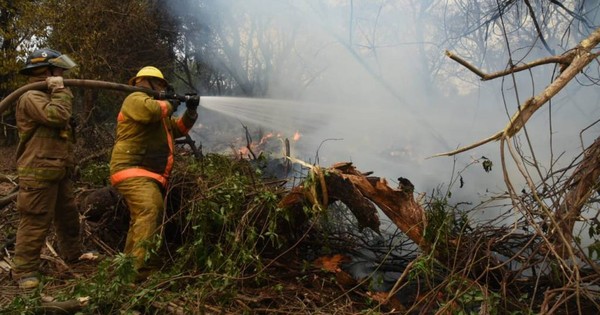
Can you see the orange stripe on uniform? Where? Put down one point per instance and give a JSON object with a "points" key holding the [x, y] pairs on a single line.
{"points": [[169, 165], [120, 176], [181, 126], [164, 106]]}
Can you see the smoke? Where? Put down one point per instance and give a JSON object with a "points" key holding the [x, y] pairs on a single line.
{"points": [[372, 85]]}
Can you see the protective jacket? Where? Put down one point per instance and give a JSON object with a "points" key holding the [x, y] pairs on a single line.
{"points": [[46, 141], [45, 163], [145, 138]]}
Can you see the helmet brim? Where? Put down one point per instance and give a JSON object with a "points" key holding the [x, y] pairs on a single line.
{"points": [[62, 61], [132, 80]]}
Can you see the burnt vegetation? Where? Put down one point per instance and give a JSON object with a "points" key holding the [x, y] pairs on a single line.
{"points": [[249, 231]]}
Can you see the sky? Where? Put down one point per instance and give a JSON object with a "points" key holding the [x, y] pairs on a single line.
{"points": [[368, 82]]}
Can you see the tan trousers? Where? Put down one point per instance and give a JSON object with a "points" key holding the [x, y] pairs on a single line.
{"points": [[146, 205], [40, 204]]}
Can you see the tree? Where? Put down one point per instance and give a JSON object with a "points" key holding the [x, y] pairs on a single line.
{"points": [[111, 41], [21, 28]]}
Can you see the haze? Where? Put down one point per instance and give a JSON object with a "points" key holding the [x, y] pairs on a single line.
{"points": [[369, 82]]}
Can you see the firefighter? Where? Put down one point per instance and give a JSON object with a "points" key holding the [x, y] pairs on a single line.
{"points": [[142, 158], [45, 166]]}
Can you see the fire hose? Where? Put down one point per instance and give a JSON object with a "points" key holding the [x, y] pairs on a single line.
{"points": [[94, 84]]}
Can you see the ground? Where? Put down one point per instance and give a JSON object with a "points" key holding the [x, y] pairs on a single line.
{"points": [[7, 158]]}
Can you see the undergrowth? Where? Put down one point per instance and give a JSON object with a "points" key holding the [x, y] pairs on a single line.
{"points": [[224, 237], [222, 221]]}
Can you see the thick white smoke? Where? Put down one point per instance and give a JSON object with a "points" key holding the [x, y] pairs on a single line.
{"points": [[373, 76]]}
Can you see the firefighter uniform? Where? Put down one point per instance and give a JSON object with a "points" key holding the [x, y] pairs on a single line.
{"points": [[141, 162], [44, 165]]}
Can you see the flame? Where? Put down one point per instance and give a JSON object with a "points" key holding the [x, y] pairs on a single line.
{"points": [[331, 263], [243, 151], [264, 143], [265, 138]]}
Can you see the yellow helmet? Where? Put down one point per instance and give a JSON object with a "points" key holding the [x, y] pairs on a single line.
{"points": [[148, 71]]}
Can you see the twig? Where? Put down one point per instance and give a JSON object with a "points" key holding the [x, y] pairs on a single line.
{"points": [[8, 199], [249, 142]]}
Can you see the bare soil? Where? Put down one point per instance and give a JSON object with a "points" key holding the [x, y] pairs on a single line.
{"points": [[7, 159]]}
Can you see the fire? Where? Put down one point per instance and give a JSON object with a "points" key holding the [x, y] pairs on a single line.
{"points": [[243, 151], [266, 138], [265, 143], [332, 263]]}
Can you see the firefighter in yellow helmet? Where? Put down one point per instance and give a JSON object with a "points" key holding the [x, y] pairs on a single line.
{"points": [[142, 157], [45, 165]]}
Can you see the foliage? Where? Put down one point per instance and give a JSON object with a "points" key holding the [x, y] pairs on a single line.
{"points": [[109, 285], [110, 41], [229, 223], [23, 305], [95, 173], [444, 221], [233, 220], [22, 26]]}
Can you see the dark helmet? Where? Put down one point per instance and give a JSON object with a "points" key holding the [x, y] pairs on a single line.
{"points": [[45, 58]]}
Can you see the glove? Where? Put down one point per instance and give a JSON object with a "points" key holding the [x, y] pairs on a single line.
{"points": [[192, 102], [55, 83]]}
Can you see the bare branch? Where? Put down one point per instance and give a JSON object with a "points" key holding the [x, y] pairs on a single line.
{"points": [[564, 60], [578, 59], [581, 185], [537, 27]]}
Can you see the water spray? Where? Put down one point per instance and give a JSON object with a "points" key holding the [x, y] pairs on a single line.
{"points": [[94, 84]]}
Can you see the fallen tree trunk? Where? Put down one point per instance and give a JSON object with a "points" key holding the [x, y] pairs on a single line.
{"points": [[360, 192]]}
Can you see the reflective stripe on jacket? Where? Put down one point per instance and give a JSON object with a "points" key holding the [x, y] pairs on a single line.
{"points": [[145, 138]]}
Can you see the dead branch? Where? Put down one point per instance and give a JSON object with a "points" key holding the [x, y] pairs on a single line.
{"points": [[197, 151], [63, 307], [580, 187], [7, 179], [398, 204], [562, 60], [248, 142], [8, 199], [573, 62], [537, 27]]}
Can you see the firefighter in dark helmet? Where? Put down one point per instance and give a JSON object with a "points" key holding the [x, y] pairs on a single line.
{"points": [[45, 165], [142, 158]]}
